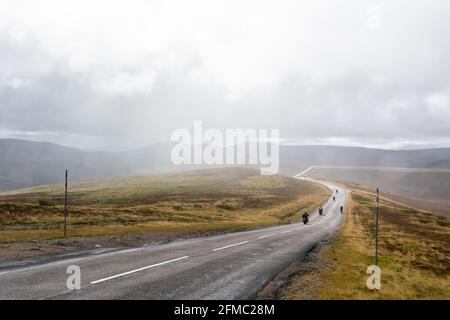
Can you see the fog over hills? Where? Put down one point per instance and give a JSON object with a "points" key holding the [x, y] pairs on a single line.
{"points": [[26, 163], [301, 157]]}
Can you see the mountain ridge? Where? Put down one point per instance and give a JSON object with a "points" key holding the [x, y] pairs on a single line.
{"points": [[25, 163]]}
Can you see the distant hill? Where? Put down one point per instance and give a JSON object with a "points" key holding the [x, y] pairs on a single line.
{"points": [[295, 158], [28, 163]]}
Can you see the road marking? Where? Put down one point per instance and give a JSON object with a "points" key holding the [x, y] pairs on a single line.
{"points": [[103, 251], [229, 246], [88, 257], [140, 269], [269, 235], [305, 171], [287, 231]]}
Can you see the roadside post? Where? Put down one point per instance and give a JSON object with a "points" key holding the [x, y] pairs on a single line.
{"points": [[377, 227], [65, 208]]}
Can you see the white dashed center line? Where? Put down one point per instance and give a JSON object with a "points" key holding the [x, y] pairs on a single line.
{"points": [[269, 235], [185, 257], [140, 269], [229, 246]]}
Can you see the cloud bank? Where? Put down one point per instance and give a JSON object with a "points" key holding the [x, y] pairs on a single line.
{"points": [[103, 75]]}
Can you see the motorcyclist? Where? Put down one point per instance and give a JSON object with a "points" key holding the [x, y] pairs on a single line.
{"points": [[342, 209], [320, 211], [334, 198], [305, 217]]}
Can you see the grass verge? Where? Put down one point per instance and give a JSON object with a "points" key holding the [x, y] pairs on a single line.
{"points": [[414, 256]]}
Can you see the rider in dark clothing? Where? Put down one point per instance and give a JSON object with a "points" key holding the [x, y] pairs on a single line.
{"points": [[320, 210], [342, 209], [305, 216]]}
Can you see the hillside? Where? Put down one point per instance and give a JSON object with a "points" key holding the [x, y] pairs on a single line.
{"points": [[184, 203], [27, 163], [426, 188], [298, 158]]}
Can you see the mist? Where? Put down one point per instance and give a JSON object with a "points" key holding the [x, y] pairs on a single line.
{"points": [[101, 76]]}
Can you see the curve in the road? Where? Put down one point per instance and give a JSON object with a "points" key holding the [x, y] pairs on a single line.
{"points": [[230, 266]]}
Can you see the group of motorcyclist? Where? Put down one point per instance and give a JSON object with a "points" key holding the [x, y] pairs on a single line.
{"points": [[305, 216]]}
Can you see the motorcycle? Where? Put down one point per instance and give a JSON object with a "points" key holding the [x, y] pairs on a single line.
{"points": [[305, 219]]}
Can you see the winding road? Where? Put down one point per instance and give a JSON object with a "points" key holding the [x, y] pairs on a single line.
{"points": [[230, 266]]}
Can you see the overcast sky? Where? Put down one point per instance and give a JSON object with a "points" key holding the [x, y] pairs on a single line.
{"points": [[124, 74]]}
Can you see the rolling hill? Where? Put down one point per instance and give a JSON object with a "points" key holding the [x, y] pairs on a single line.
{"points": [[295, 158], [184, 203], [27, 163]]}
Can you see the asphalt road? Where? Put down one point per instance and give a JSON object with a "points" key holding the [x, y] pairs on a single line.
{"points": [[229, 266]]}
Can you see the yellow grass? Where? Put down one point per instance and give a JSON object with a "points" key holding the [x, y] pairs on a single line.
{"points": [[414, 256], [189, 203]]}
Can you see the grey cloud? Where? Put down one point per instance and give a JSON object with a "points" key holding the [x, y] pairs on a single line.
{"points": [[379, 95]]}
